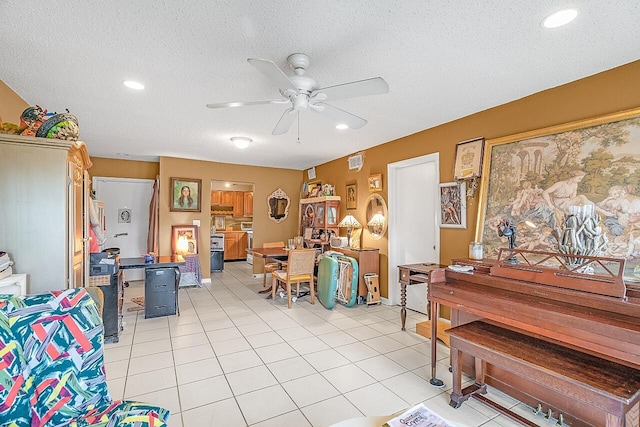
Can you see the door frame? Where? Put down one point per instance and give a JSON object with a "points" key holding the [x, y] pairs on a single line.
{"points": [[395, 205]]}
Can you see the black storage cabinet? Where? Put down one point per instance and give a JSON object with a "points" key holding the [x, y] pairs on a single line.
{"points": [[161, 291], [110, 315]]}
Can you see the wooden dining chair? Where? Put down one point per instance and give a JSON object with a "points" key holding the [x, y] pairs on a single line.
{"points": [[270, 264], [301, 263]]}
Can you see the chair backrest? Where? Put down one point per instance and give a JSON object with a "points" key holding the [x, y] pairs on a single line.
{"points": [[273, 245], [301, 261]]}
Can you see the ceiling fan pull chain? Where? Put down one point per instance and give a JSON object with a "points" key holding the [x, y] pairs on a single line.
{"points": [[298, 127]]}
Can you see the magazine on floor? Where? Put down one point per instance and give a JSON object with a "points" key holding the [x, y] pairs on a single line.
{"points": [[418, 416]]}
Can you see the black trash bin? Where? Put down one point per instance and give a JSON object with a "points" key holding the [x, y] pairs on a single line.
{"points": [[217, 260]]}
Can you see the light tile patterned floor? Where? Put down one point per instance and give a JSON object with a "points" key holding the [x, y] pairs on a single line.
{"points": [[234, 358]]}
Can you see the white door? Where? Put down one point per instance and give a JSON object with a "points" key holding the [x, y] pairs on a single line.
{"points": [[414, 235], [126, 210]]}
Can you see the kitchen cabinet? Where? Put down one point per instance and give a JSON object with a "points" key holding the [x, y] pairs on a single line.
{"points": [[243, 245], [227, 198], [216, 197], [319, 219], [235, 245], [44, 210], [238, 203], [248, 203]]}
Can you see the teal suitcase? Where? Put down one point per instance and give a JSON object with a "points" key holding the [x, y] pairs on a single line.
{"points": [[337, 281], [327, 281], [347, 287]]}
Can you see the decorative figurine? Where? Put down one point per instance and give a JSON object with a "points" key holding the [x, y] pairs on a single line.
{"points": [[508, 229]]}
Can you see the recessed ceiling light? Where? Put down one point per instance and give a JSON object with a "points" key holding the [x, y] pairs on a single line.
{"points": [[559, 18], [241, 142], [133, 85], [342, 126]]}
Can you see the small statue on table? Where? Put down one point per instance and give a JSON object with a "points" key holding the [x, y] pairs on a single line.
{"points": [[507, 229]]}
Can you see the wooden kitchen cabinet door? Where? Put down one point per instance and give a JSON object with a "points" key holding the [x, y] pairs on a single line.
{"points": [[248, 203], [243, 245], [227, 198], [238, 203], [231, 246], [216, 197]]}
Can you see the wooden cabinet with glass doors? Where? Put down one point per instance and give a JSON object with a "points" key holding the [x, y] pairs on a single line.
{"points": [[319, 220]]}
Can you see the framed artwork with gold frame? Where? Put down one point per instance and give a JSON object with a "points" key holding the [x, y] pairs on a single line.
{"points": [[534, 178]]}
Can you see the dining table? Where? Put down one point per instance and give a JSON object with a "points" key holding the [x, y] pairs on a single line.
{"points": [[277, 254]]}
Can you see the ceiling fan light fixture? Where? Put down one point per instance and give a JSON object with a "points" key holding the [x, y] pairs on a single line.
{"points": [[559, 18], [241, 142], [342, 126], [133, 85]]}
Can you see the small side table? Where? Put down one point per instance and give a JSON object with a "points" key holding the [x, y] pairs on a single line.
{"points": [[16, 284], [411, 274]]}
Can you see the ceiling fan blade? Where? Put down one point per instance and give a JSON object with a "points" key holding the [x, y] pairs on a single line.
{"points": [[243, 103], [273, 73], [285, 122], [374, 86], [340, 116]]}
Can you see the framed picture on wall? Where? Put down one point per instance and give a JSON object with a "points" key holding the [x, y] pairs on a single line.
{"points": [[537, 178], [219, 222], [186, 194], [453, 212], [469, 159], [352, 196], [375, 182]]}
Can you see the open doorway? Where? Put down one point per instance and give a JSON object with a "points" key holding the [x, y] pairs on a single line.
{"points": [[231, 222]]}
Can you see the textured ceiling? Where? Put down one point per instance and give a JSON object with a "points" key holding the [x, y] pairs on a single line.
{"points": [[442, 60]]}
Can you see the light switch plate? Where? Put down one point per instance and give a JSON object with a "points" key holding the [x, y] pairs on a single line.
{"points": [[196, 222]]}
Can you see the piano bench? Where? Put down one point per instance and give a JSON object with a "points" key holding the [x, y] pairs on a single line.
{"points": [[584, 389]]}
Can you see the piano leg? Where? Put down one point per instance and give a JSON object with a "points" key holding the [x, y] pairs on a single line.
{"points": [[434, 347], [403, 304], [456, 394]]}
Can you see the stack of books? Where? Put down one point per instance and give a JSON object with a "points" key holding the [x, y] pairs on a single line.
{"points": [[5, 265]]}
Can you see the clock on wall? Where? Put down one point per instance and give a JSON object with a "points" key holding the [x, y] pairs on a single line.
{"points": [[124, 216]]}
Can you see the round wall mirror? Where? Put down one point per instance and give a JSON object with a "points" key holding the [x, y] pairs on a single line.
{"points": [[278, 202], [376, 216]]}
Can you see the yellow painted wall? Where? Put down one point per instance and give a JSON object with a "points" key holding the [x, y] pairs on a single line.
{"points": [[611, 91], [117, 168], [265, 180], [11, 105]]}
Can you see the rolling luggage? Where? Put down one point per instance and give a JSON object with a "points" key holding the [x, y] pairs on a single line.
{"points": [[337, 280]]}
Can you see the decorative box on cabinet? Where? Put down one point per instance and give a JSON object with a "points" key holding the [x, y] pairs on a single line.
{"points": [[45, 195], [368, 262], [319, 219]]}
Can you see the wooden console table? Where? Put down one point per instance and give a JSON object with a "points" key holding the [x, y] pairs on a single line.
{"points": [[368, 262]]}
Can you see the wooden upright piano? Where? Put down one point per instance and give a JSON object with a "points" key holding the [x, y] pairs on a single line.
{"points": [[598, 318]]}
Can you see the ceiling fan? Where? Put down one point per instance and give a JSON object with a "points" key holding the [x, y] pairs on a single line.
{"points": [[302, 92]]}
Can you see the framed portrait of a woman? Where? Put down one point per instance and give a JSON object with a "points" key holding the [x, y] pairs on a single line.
{"points": [[186, 195]]}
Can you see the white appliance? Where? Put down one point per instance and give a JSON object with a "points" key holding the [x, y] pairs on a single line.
{"points": [[217, 252], [248, 227]]}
